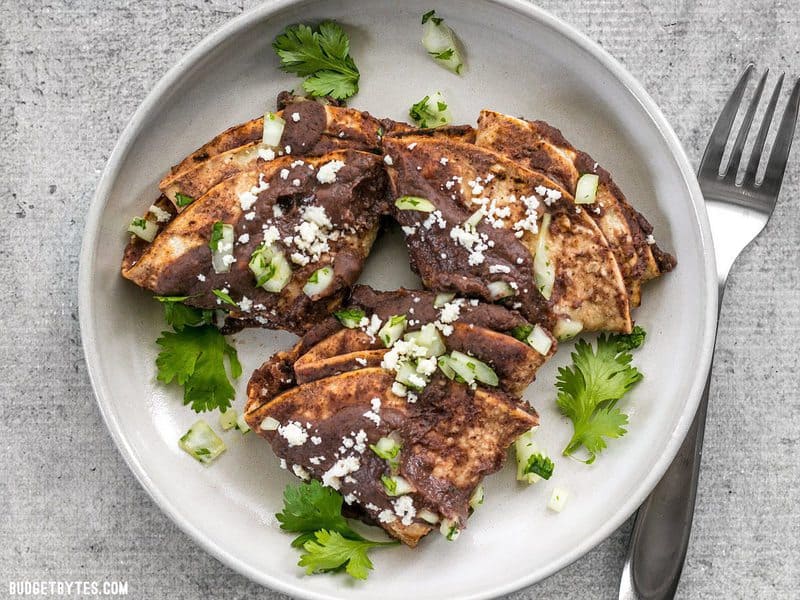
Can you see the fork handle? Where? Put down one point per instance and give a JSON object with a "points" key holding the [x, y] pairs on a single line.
{"points": [[663, 524]]}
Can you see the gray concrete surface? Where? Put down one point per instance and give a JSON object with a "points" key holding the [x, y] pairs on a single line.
{"points": [[72, 73]]}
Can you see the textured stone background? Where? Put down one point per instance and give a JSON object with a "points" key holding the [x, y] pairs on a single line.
{"points": [[72, 73]]}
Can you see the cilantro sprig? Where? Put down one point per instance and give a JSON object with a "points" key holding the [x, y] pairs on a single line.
{"points": [[327, 540], [589, 390], [193, 356], [541, 465], [322, 56]]}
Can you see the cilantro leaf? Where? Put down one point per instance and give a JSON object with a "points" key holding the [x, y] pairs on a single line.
{"points": [[177, 314], [431, 111], [630, 341], [540, 465], [589, 390], [183, 200], [521, 332], [322, 56], [225, 297], [431, 16], [329, 544], [216, 236], [349, 317], [194, 358], [331, 551], [309, 507]]}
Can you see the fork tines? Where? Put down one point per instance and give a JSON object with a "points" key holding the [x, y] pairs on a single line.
{"points": [[711, 166]]}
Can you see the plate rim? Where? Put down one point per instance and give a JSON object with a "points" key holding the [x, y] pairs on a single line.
{"points": [[89, 341]]}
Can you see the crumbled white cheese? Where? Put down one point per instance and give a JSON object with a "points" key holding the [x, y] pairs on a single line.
{"points": [[301, 472], [404, 508], [284, 173], [373, 416], [388, 160], [293, 433], [387, 516], [161, 215], [295, 116], [201, 277], [444, 160], [266, 154], [245, 304], [450, 311], [398, 389], [316, 440], [296, 182], [244, 238], [327, 172], [499, 269], [343, 466], [650, 239]]}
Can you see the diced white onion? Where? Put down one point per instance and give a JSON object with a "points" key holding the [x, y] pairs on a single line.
{"points": [[202, 443], [241, 424], [320, 280], [558, 499], [477, 497], [566, 329], [397, 486], [392, 330], [414, 203], [227, 420], [442, 299], [270, 424], [500, 289], [539, 340], [438, 39], [449, 529], [543, 271], [470, 368], [586, 189], [473, 221], [429, 338], [273, 129], [224, 249], [144, 229], [428, 516], [524, 448]]}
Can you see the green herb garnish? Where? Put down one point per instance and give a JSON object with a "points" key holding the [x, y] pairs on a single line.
{"points": [[322, 56]]}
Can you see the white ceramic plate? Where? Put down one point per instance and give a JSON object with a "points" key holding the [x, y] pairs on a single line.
{"points": [[521, 61]]}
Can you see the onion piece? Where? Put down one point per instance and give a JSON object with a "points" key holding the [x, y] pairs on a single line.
{"points": [[270, 268], [539, 340], [221, 245], [202, 443], [470, 369], [558, 499], [227, 420], [414, 203], [524, 449], [320, 280], [543, 271], [566, 329], [440, 42], [586, 189], [392, 330], [144, 229], [442, 299], [429, 338], [477, 497], [500, 289], [273, 129]]}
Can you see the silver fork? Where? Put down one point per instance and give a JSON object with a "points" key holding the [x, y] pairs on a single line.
{"points": [[737, 213]]}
